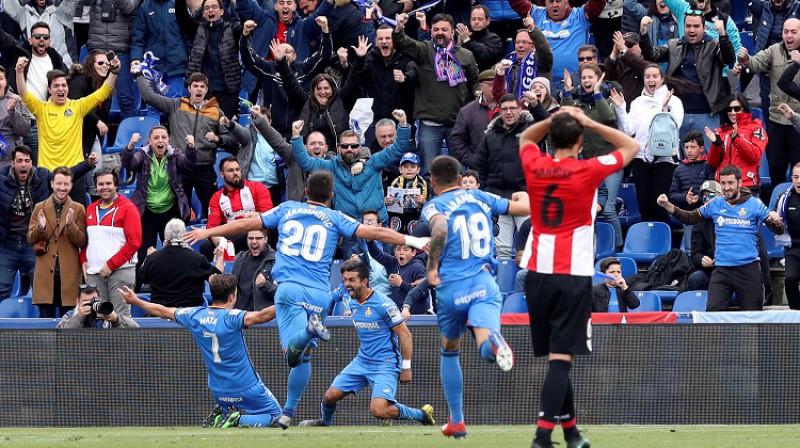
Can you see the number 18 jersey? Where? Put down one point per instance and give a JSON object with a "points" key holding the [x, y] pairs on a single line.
{"points": [[470, 236], [307, 237], [563, 194]]}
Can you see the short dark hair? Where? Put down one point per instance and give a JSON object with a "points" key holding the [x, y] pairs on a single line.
{"points": [[197, 77], [40, 24], [370, 211], [444, 170], [507, 97], [471, 173], [565, 131], [591, 48], [349, 134], [443, 18], [106, 172], [694, 136], [226, 160], [482, 8], [731, 170], [222, 286], [355, 266], [23, 149], [52, 75], [64, 171], [385, 27], [319, 186], [2, 70], [597, 70], [156, 127]]}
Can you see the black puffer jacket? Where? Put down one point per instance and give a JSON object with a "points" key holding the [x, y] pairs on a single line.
{"points": [[601, 296], [376, 75]]}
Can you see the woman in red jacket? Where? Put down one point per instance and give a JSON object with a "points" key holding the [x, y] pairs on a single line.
{"points": [[740, 141]]}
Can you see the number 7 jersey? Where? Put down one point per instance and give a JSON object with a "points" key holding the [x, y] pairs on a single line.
{"points": [[563, 194], [470, 236]]}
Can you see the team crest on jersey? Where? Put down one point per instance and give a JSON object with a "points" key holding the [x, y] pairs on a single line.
{"points": [[607, 159], [68, 113], [743, 212], [368, 312], [759, 134]]}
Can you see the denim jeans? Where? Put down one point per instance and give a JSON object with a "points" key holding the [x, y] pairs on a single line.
{"points": [[17, 256], [429, 142], [607, 197], [698, 122]]}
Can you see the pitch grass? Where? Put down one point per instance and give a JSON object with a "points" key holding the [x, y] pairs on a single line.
{"points": [[399, 436]]}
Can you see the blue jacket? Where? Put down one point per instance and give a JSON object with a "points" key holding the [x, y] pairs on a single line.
{"points": [[500, 10], [663, 28], [764, 16], [299, 35], [354, 194], [413, 270], [156, 29], [689, 175]]}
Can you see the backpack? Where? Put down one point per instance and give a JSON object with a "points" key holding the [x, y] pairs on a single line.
{"points": [[668, 272], [663, 140]]}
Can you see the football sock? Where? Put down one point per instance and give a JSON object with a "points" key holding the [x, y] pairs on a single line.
{"points": [[407, 413], [453, 384], [568, 415], [327, 412], [256, 420], [487, 352], [296, 347], [298, 379], [554, 391]]}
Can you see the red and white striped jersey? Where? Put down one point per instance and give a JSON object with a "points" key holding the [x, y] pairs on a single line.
{"points": [[563, 194]]}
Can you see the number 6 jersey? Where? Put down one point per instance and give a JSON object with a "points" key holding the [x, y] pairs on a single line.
{"points": [[563, 194], [470, 236]]}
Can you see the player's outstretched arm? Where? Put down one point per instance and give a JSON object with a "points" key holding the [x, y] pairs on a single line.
{"points": [[535, 133], [390, 236], [685, 217], [237, 227], [406, 349], [438, 226], [152, 309], [520, 204], [259, 317]]}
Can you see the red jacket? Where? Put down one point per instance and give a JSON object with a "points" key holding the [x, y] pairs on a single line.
{"points": [[262, 200], [115, 239], [744, 151]]}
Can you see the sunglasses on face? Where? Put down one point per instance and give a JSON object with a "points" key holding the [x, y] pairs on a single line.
{"points": [[694, 12], [630, 44], [734, 108], [349, 145], [41, 36], [586, 59], [101, 63]]}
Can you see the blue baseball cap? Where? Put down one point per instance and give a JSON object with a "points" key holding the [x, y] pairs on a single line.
{"points": [[410, 157]]}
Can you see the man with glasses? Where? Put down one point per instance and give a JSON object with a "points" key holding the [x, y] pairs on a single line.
{"points": [[626, 65], [58, 17], [499, 166], [531, 58], [253, 269], [699, 59]]}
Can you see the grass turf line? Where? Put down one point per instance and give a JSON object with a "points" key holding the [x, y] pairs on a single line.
{"points": [[404, 436]]}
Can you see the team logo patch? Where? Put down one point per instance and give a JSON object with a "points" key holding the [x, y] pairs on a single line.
{"points": [[68, 113], [743, 212], [607, 159], [759, 134], [368, 312]]}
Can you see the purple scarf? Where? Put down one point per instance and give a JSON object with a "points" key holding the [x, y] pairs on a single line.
{"points": [[446, 65]]}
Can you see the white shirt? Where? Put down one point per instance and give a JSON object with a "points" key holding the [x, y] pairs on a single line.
{"points": [[37, 76]]}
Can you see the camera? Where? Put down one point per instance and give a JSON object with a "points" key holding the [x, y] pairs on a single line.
{"points": [[108, 11], [101, 307]]}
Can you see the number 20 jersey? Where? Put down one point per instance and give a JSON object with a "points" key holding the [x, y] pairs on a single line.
{"points": [[470, 231], [307, 238], [563, 194]]}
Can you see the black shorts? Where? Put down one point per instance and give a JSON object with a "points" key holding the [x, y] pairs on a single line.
{"points": [[559, 307]]}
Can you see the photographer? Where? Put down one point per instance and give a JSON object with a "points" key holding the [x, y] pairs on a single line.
{"points": [[94, 312]]}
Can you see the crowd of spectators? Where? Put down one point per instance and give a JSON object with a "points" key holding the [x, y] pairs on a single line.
{"points": [[274, 82]]}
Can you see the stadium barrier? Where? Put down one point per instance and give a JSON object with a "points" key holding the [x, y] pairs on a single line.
{"points": [[638, 374]]}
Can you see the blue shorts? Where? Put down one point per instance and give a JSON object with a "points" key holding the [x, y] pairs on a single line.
{"points": [[254, 400], [381, 378], [293, 304], [476, 299]]}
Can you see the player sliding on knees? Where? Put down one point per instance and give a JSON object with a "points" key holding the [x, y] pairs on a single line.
{"points": [[307, 237], [241, 398], [384, 339], [461, 264]]}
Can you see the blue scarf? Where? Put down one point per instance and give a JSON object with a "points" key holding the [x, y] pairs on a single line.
{"points": [[526, 73], [446, 65], [149, 61]]}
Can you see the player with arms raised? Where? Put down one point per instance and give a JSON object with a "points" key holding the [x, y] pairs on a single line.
{"points": [[242, 399], [563, 194], [307, 237], [461, 264]]}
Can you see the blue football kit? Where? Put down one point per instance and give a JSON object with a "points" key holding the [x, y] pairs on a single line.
{"points": [[736, 229]]}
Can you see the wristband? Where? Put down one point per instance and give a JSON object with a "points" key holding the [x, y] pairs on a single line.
{"points": [[406, 364], [416, 243]]}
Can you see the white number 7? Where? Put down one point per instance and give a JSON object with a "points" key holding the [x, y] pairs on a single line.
{"points": [[214, 346]]}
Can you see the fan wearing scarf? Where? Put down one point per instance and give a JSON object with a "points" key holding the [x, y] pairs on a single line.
{"points": [[448, 76], [531, 58]]}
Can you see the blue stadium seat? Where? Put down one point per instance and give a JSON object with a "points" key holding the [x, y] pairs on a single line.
{"points": [[127, 128], [748, 41], [88, 200], [506, 273], [690, 301], [649, 301], [16, 288], [647, 241], [777, 191], [228, 267], [605, 240], [83, 53], [775, 251], [220, 155], [245, 119], [135, 310], [515, 303], [758, 113], [666, 296], [197, 208], [336, 275], [763, 172], [739, 13], [18, 307], [628, 266], [207, 296], [628, 205]]}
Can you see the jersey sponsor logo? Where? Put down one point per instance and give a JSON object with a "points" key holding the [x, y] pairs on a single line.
{"points": [[231, 399], [723, 221], [470, 297], [562, 34], [366, 325], [607, 159], [552, 173], [313, 308]]}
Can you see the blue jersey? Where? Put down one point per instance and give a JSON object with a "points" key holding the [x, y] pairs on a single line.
{"points": [[374, 320], [218, 334], [470, 238], [736, 227], [307, 239], [564, 37]]}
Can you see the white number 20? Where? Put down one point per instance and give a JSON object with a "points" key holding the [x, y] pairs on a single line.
{"points": [[313, 240]]}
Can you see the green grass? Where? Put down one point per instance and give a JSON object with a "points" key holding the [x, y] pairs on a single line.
{"points": [[405, 437]]}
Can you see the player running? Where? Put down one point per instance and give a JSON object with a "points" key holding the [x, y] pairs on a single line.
{"points": [[241, 398], [461, 265], [383, 356], [563, 194], [307, 237]]}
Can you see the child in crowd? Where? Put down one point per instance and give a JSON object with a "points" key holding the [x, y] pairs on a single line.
{"points": [[688, 177], [410, 202], [469, 180], [405, 271]]}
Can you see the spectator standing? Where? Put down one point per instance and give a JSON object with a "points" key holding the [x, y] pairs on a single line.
{"points": [[613, 296], [448, 78], [409, 179], [486, 46], [59, 224], [770, 15], [404, 270], [253, 270], [531, 58], [605, 25], [57, 16], [682, 9], [788, 206], [704, 242], [114, 231], [664, 26], [472, 120], [378, 276], [687, 179], [626, 65], [15, 120]]}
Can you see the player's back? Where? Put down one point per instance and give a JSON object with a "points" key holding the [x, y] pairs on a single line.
{"points": [[307, 237], [470, 237], [374, 320], [218, 334]]}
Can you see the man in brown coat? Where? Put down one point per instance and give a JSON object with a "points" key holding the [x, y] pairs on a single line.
{"points": [[57, 230]]}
